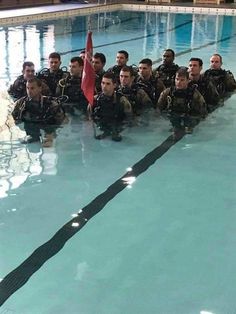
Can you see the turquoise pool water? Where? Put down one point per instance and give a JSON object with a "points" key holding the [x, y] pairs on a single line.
{"points": [[166, 243]]}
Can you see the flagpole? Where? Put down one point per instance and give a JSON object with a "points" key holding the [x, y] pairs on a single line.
{"points": [[89, 24], [88, 76]]}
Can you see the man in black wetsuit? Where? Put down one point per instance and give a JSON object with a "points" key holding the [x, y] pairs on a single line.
{"points": [[109, 109], [166, 71], [52, 75], [184, 105], [38, 113], [149, 82], [98, 61], [122, 58], [223, 79], [18, 88], [70, 86], [205, 86], [137, 97]]}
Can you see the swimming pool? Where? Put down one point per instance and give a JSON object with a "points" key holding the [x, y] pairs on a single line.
{"points": [[165, 243]]}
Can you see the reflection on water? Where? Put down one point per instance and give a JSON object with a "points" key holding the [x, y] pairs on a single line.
{"points": [[112, 31], [171, 199], [18, 162], [153, 31]]}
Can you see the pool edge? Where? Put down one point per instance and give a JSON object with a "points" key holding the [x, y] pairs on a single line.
{"points": [[28, 18]]}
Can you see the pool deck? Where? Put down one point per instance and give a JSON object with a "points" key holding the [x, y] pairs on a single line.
{"points": [[8, 13], [25, 15]]}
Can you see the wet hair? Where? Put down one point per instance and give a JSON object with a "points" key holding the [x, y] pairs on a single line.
{"points": [[101, 56], [54, 55], [35, 80], [27, 64], [111, 76], [77, 59], [197, 60], [146, 61], [183, 72], [171, 51], [125, 53], [217, 55], [128, 69]]}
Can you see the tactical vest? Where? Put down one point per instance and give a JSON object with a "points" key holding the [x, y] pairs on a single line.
{"points": [[108, 109], [218, 77], [116, 71], [167, 73], [150, 87], [129, 92], [38, 111], [201, 85], [51, 78], [179, 101], [98, 81], [18, 89], [71, 87]]}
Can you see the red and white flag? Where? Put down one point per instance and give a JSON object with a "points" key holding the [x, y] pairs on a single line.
{"points": [[88, 77]]}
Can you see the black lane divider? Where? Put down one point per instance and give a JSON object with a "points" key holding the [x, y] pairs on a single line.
{"points": [[20, 275], [128, 40], [122, 41], [198, 48], [211, 43], [94, 28]]}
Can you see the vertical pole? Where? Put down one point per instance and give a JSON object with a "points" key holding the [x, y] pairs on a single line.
{"points": [[193, 30], [89, 23]]}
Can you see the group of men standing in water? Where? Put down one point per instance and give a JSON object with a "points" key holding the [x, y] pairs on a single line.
{"points": [[121, 94]]}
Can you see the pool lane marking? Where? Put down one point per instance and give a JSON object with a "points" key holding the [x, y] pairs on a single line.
{"points": [[95, 28], [211, 43], [130, 39], [125, 40], [17, 278], [20, 275], [205, 45]]}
